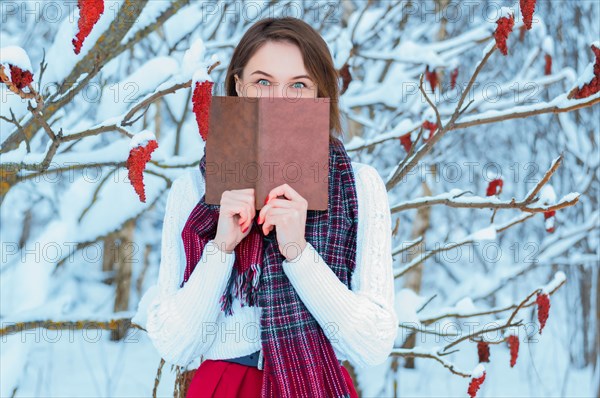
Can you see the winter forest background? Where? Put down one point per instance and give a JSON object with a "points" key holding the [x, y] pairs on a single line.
{"points": [[80, 248]]}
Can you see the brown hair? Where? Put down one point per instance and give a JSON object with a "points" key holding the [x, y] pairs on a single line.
{"points": [[315, 53]]}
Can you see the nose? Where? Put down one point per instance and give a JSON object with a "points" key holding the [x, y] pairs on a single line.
{"points": [[285, 91], [277, 91]]}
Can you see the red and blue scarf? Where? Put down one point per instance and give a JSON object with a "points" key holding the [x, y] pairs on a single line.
{"points": [[299, 360]]}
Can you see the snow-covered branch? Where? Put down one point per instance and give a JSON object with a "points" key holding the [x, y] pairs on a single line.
{"points": [[484, 234], [117, 321], [420, 352], [456, 198], [551, 287]]}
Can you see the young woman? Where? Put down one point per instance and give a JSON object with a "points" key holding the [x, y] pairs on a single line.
{"points": [[274, 300]]}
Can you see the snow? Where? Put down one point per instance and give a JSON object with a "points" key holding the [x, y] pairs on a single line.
{"points": [[407, 304], [488, 48], [548, 45], [437, 54], [51, 244], [478, 371], [12, 361], [14, 55], [341, 48], [199, 76], [559, 277], [141, 138], [369, 18], [569, 197], [559, 102], [547, 194], [588, 73], [465, 306], [472, 35], [586, 76], [93, 223], [458, 196], [52, 89], [488, 233], [412, 52], [559, 247], [70, 214], [62, 48], [114, 152], [549, 223], [193, 58], [355, 142], [118, 98], [177, 28], [149, 14], [512, 331]]}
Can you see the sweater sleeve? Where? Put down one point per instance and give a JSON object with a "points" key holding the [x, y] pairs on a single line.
{"points": [[181, 321], [359, 322]]}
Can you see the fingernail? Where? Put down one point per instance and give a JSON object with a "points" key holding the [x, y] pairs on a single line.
{"points": [[244, 230], [266, 199]]}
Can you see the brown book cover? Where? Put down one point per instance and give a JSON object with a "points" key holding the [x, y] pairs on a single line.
{"points": [[265, 142]]}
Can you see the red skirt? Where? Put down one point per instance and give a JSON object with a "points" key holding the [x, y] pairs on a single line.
{"points": [[223, 379]]}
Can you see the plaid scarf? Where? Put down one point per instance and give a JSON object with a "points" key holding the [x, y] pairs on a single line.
{"points": [[299, 360]]}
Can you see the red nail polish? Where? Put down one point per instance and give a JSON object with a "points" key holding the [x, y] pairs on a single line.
{"points": [[266, 199], [244, 230]]}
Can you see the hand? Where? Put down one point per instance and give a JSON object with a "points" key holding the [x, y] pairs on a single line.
{"points": [[235, 218], [289, 216]]}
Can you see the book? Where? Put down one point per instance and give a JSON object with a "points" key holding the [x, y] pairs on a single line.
{"points": [[265, 142]]}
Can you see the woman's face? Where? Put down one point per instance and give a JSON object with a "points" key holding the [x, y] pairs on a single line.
{"points": [[276, 70]]}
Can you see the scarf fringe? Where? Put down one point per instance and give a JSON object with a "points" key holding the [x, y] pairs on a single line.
{"points": [[304, 339], [244, 286]]}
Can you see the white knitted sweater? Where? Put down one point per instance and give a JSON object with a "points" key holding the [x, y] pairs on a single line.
{"points": [[361, 324]]}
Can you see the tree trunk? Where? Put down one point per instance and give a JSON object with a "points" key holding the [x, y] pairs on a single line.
{"points": [[414, 278], [125, 257]]}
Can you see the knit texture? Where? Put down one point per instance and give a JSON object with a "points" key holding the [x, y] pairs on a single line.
{"points": [[186, 325], [298, 357]]}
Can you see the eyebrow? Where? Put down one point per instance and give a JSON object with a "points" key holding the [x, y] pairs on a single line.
{"points": [[266, 74]]}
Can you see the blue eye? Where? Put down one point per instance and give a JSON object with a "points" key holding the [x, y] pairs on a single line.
{"points": [[269, 83]]}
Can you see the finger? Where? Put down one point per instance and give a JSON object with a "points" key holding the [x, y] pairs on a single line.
{"points": [[274, 218], [248, 220], [247, 202], [281, 203], [269, 223], [244, 191], [278, 211], [242, 196], [251, 209], [287, 191], [238, 207], [276, 203], [263, 213], [232, 199]]}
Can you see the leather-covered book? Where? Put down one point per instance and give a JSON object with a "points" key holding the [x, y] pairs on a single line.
{"points": [[265, 142]]}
